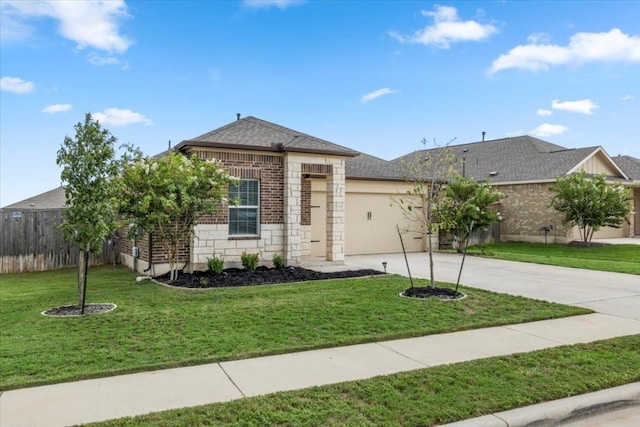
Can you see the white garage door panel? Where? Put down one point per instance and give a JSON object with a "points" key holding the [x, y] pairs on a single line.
{"points": [[371, 226]]}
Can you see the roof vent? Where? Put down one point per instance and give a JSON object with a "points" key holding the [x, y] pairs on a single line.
{"points": [[237, 116], [493, 173]]}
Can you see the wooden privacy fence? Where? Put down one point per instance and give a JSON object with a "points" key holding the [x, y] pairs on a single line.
{"points": [[31, 241]]}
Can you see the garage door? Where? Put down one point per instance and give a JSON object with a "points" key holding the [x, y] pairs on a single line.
{"points": [[371, 222]]}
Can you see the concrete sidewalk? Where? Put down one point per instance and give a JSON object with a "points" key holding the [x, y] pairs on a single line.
{"points": [[127, 395]]}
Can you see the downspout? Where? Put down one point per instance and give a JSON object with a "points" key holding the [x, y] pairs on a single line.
{"points": [[150, 253]]}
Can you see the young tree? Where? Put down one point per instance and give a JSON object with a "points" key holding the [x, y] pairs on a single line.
{"points": [[89, 166], [590, 203], [166, 196], [465, 207], [427, 171]]}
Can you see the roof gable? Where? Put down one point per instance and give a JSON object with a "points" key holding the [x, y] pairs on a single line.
{"points": [[251, 133], [599, 162]]}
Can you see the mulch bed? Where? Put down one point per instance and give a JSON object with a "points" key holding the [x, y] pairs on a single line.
{"points": [[429, 292], [261, 276], [74, 310]]}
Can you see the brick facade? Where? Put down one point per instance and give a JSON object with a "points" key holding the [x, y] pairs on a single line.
{"points": [[269, 169], [525, 211]]}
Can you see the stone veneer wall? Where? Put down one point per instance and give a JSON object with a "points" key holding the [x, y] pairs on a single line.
{"points": [[525, 210], [213, 240]]}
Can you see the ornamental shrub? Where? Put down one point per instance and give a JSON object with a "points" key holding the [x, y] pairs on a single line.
{"points": [[215, 265], [278, 261], [250, 261]]}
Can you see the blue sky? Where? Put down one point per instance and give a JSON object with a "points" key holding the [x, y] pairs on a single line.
{"points": [[375, 76]]}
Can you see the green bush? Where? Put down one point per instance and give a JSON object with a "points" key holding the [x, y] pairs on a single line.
{"points": [[250, 261], [215, 265], [278, 261]]}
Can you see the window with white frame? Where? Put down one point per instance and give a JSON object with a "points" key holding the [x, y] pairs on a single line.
{"points": [[245, 216]]}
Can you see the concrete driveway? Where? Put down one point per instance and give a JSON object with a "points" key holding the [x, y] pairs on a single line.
{"points": [[610, 293]]}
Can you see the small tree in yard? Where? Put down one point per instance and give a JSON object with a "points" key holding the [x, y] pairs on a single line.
{"points": [[464, 207], [590, 203], [167, 195], [427, 172], [89, 166]]}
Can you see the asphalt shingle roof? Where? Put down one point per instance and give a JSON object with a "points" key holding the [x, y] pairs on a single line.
{"points": [[516, 159], [630, 166], [366, 166], [52, 199], [255, 134]]}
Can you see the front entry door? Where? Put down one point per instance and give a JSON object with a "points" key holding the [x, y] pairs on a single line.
{"points": [[318, 224]]}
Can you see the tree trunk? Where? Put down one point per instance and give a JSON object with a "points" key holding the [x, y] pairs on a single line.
{"points": [[83, 264], [433, 283]]}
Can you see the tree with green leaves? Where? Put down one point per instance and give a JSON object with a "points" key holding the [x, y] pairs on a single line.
{"points": [[89, 168], [166, 196], [590, 203], [427, 172], [464, 207]]}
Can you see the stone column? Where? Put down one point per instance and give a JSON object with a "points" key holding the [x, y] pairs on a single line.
{"points": [[336, 211], [292, 208]]}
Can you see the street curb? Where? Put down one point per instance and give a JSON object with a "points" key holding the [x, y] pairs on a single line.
{"points": [[558, 412]]}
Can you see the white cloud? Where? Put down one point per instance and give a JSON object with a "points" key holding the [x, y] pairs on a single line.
{"points": [[627, 97], [548, 129], [544, 112], [56, 108], [537, 38], [92, 24], [265, 4], [376, 94], [613, 46], [121, 117], [447, 28], [584, 106], [99, 60], [16, 85]]}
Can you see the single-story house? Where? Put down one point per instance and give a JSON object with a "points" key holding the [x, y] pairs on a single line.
{"points": [[304, 197]]}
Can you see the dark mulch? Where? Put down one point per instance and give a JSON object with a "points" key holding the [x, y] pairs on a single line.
{"points": [[74, 310], [428, 292], [261, 276]]}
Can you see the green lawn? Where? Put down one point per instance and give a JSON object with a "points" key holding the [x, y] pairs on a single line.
{"points": [[158, 327], [614, 258], [426, 397]]}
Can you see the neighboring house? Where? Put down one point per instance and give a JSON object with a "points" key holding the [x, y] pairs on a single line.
{"points": [[524, 167], [52, 200]]}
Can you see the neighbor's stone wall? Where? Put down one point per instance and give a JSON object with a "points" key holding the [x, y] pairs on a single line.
{"points": [[525, 210]]}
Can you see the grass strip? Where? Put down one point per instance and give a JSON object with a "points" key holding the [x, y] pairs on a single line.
{"points": [[612, 258], [157, 327], [426, 397]]}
